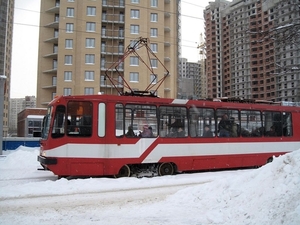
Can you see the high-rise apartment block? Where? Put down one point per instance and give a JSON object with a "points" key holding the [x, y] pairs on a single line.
{"points": [[6, 27], [253, 49], [189, 80], [80, 40]]}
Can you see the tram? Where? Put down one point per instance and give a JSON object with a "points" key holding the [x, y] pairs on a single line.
{"points": [[110, 135], [136, 133]]}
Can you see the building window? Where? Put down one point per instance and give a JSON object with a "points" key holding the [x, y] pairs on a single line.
{"points": [[69, 27], [67, 91], [153, 78], [91, 11], [90, 26], [134, 29], [56, 33], [134, 77], [153, 17], [56, 18], [102, 63], [54, 64], [153, 63], [68, 76], [154, 3], [68, 59], [89, 75], [134, 61], [69, 43], [90, 42], [102, 80], [154, 47], [135, 13], [89, 59], [54, 81], [70, 12], [153, 32], [135, 1], [88, 91], [71, 0]]}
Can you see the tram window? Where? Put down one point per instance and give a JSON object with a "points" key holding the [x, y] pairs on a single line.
{"points": [[135, 120], [228, 123], [173, 121], [59, 121], [272, 123], [251, 123], [287, 129], [79, 118], [202, 122]]}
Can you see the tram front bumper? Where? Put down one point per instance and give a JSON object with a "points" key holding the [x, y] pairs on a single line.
{"points": [[46, 161]]}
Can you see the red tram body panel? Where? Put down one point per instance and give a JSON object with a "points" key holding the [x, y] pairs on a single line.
{"points": [[89, 135]]}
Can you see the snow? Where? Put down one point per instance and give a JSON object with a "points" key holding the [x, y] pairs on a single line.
{"points": [[267, 195]]}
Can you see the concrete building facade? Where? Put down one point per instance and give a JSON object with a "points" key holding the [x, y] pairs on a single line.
{"points": [[189, 80], [6, 27], [80, 40], [30, 122], [252, 49], [16, 105]]}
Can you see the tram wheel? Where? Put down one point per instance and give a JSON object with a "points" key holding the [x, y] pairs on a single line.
{"points": [[165, 169], [270, 160], [124, 172]]}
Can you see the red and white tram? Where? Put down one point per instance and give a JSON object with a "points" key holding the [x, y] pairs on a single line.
{"points": [[103, 135]]}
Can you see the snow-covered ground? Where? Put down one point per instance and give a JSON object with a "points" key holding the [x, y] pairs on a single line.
{"points": [[269, 195]]}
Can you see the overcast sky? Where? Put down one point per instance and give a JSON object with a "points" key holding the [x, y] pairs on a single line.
{"points": [[26, 31]]}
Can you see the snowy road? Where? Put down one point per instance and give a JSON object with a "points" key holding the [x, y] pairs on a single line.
{"points": [[118, 198], [115, 203]]}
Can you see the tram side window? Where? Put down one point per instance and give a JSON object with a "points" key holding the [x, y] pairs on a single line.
{"points": [[137, 121], [59, 122], [119, 115], [202, 122], [173, 121], [79, 118], [287, 128], [228, 123], [251, 123], [272, 124]]}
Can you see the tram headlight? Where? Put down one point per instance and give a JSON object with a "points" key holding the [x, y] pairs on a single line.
{"points": [[44, 153]]}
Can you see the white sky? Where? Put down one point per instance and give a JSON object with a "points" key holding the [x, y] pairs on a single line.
{"points": [[25, 41], [269, 195]]}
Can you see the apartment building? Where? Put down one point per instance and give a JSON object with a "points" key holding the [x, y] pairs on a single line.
{"points": [[252, 49], [80, 40], [189, 81], [6, 27], [16, 105]]}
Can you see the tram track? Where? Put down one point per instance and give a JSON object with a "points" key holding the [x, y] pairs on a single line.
{"points": [[101, 199]]}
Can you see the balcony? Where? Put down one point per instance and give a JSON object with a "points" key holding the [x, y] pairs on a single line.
{"points": [[112, 50], [49, 87], [51, 71], [53, 25], [167, 29], [113, 4], [167, 59], [51, 55], [111, 18], [54, 9], [112, 34], [52, 40]]}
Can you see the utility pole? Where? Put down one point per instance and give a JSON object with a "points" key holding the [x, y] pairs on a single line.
{"points": [[2, 83]]}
